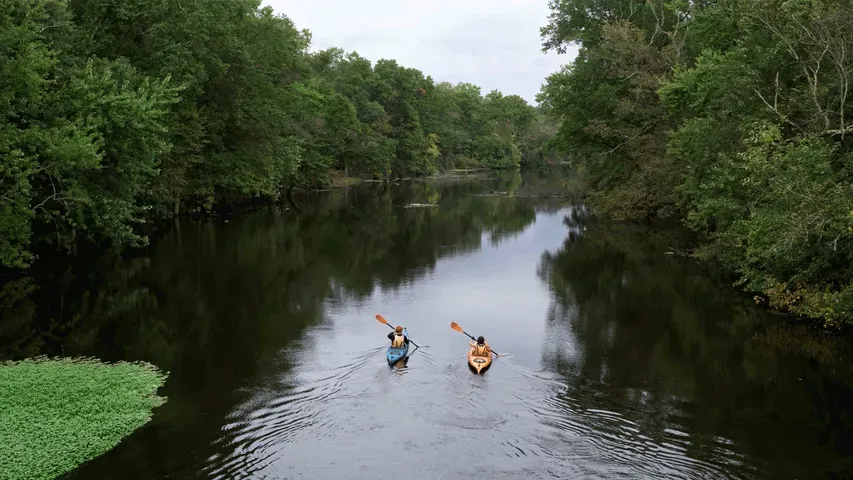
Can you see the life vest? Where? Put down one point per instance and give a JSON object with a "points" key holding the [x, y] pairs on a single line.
{"points": [[480, 350], [399, 340]]}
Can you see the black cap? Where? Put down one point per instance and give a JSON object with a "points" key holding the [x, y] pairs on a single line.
{"points": [[481, 340]]}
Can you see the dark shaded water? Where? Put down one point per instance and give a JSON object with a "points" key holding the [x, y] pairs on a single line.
{"points": [[623, 362]]}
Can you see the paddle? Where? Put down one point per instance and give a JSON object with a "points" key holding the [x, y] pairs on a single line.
{"points": [[381, 319], [456, 327]]}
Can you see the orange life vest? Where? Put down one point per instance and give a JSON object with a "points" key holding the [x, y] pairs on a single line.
{"points": [[399, 340], [481, 350]]}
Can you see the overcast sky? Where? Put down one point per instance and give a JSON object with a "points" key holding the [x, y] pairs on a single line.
{"points": [[492, 43]]}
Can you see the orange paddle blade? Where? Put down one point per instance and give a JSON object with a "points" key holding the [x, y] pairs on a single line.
{"points": [[455, 326], [381, 319]]}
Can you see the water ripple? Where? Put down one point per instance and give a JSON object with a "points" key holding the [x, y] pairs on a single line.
{"points": [[609, 435], [275, 415], [529, 423]]}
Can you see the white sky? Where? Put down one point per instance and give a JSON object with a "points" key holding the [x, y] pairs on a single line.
{"points": [[491, 43]]}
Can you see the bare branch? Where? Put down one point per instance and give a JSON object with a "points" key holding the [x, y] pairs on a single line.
{"points": [[775, 110]]}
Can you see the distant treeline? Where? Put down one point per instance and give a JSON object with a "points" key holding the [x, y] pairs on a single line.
{"points": [[734, 115], [118, 113]]}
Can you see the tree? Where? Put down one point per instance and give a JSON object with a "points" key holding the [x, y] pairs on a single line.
{"points": [[117, 114], [731, 114]]}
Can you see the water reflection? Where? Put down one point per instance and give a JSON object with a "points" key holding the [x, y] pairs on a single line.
{"points": [[344, 244], [217, 302], [623, 362], [671, 368]]}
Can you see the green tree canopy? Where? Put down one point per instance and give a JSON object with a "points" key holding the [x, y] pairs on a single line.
{"points": [[730, 114], [114, 114]]}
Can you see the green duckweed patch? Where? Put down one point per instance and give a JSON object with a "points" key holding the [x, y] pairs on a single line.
{"points": [[56, 414]]}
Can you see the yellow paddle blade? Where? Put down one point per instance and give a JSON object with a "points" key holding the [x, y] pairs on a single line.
{"points": [[455, 326], [381, 319]]}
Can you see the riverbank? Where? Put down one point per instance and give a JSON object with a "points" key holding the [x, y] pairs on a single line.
{"points": [[339, 179], [60, 413], [567, 186]]}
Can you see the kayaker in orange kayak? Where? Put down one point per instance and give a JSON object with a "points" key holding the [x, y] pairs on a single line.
{"points": [[481, 348], [398, 339]]}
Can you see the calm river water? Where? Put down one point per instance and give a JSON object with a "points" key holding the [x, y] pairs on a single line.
{"points": [[621, 361]]}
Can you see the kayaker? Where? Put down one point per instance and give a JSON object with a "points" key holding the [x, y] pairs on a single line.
{"points": [[481, 348], [398, 339]]}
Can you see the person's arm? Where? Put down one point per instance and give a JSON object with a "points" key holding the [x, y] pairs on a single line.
{"points": [[406, 339], [472, 343], [391, 336]]}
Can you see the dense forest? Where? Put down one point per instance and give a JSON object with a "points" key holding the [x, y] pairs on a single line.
{"points": [[114, 115], [733, 115]]}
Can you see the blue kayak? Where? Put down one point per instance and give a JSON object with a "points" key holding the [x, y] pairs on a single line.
{"points": [[395, 354]]}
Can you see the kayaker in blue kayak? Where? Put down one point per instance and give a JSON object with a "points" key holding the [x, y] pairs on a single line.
{"points": [[398, 339]]}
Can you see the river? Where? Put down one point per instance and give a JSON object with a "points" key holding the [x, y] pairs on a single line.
{"points": [[621, 361]]}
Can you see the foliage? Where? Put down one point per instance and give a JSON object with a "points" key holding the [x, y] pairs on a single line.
{"points": [[59, 413], [116, 114], [734, 115]]}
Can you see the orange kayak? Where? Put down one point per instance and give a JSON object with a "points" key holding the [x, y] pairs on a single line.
{"points": [[479, 362]]}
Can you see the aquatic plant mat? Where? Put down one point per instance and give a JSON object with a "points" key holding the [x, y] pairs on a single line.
{"points": [[55, 414]]}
